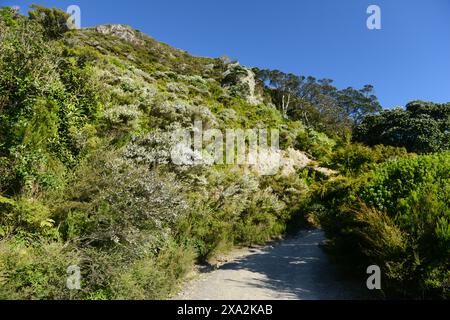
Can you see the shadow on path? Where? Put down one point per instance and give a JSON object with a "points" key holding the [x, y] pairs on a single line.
{"points": [[295, 268]]}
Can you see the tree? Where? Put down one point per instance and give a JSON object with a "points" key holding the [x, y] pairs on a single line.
{"points": [[318, 102], [285, 88], [359, 103], [53, 20], [422, 127]]}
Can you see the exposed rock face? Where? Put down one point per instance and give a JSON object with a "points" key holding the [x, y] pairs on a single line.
{"points": [[253, 97], [242, 80], [121, 31], [287, 162]]}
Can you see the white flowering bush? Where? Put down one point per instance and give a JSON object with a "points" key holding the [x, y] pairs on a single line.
{"points": [[129, 204], [231, 207], [177, 88], [128, 87], [123, 116], [150, 149], [167, 113], [162, 147]]}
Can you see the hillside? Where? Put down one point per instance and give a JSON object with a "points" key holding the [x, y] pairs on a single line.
{"points": [[87, 177], [91, 178]]}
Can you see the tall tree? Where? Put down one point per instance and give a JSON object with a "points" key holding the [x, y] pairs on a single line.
{"points": [[359, 103], [319, 102], [285, 88], [422, 127], [53, 20]]}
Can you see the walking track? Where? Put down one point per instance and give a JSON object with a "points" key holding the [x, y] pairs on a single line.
{"points": [[294, 268]]}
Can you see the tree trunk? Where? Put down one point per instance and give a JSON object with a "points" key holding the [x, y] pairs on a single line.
{"points": [[285, 105]]}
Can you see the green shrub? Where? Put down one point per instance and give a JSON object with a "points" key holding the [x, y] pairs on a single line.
{"points": [[39, 271], [232, 208], [153, 277], [27, 219], [354, 159], [317, 144], [53, 20], [35, 272], [398, 217], [119, 201], [85, 176]]}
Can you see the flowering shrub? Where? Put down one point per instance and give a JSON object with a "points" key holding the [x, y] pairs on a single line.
{"points": [[123, 116]]}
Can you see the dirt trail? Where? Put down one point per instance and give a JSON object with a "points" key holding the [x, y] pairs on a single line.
{"points": [[295, 268]]}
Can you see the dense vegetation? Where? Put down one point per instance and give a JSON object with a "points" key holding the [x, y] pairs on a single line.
{"points": [[396, 216], [318, 103], [422, 127], [86, 177]]}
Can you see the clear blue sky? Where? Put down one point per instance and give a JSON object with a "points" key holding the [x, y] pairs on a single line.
{"points": [[408, 59]]}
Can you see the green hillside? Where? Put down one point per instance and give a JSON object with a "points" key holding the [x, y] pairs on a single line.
{"points": [[87, 178]]}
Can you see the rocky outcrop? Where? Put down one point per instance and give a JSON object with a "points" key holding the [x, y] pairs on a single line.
{"points": [[120, 31], [288, 162], [285, 162], [242, 81], [253, 96]]}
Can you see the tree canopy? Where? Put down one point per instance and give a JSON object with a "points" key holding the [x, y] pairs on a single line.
{"points": [[422, 127], [52, 19], [318, 102]]}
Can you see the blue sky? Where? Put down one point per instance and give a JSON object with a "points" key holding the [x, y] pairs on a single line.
{"points": [[408, 59]]}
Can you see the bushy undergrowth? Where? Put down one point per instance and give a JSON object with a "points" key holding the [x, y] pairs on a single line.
{"points": [[354, 159], [396, 216], [133, 230], [86, 177], [234, 208], [85, 174]]}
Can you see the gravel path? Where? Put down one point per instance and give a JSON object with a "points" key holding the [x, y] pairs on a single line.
{"points": [[294, 268]]}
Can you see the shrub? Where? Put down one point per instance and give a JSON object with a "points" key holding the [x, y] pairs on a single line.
{"points": [[354, 159], [39, 271], [120, 201], [153, 277], [53, 20], [422, 128], [35, 272], [229, 208], [123, 117], [398, 217], [316, 143], [27, 219], [117, 218], [166, 114]]}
